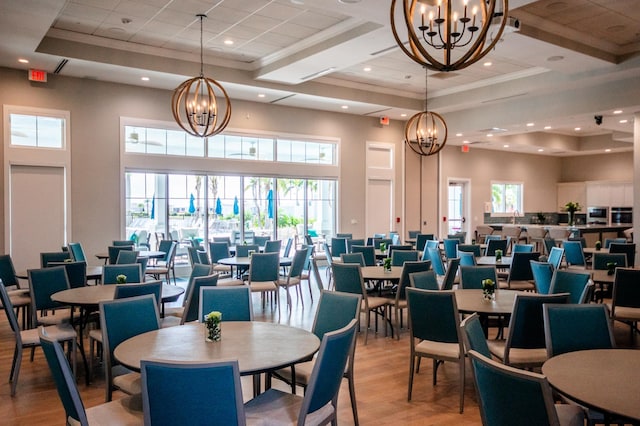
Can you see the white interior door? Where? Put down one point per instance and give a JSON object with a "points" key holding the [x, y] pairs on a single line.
{"points": [[379, 206], [37, 213]]}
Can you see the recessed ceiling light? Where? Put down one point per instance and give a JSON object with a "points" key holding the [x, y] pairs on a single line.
{"points": [[607, 150], [577, 129], [624, 121], [618, 111], [228, 42], [458, 134], [261, 95], [547, 127], [345, 106], [489, 135], [465, 141], [488, 64], [555, 58], [23, 61], [505, 146], [366, 69], [144, 78], [530, 124], [540, 150], [403, 115]]}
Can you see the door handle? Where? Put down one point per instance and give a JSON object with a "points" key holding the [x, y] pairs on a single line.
{"points": [[464, 219]]}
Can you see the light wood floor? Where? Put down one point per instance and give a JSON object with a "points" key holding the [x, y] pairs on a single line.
{"points": [[381, 374]]}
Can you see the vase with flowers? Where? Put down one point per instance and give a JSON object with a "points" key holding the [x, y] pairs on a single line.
{"points": [[386, 264], [571, 208], [488, 289], [213, 326]]}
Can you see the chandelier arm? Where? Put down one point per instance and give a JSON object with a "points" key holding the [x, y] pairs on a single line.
{"points": [[399, 42]]}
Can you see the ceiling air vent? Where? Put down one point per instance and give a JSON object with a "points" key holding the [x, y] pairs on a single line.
{"points": [[60, 66]]}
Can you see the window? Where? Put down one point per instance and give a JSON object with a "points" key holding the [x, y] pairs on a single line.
{"points": [[37, 131], [506, 197]]}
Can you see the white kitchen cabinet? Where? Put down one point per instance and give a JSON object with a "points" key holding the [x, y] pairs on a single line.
{"points": [[598, 194], [571, 191], [628, 195]]}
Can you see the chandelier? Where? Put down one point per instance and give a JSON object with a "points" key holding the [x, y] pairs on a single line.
{"points": [[426, 131], [194, 104], [455, 33]]}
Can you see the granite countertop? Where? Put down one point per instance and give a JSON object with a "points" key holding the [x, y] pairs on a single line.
{"points": [[498, 226]]}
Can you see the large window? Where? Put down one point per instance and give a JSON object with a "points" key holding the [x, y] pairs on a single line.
{"points": [[506, 197]]}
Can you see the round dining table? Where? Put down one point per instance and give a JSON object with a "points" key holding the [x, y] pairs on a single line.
{"points": [[471, 300], [258, 346], [93, 273], [243, 263], [607, 380], [151, 254], [505, 262], [91, 296], [377, 273]]}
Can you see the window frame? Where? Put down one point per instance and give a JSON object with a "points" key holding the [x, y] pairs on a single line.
{"points": [[520, 202]]}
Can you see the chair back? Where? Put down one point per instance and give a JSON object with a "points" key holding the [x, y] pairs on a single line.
{"points": [[287, 247], [573, 282], [328, 370], [63, 378], [264, 267], [123, 243], [378, 241], [190, 386], [473, 335], [413, 234], [298, 263], [328, 254], [421, 241], [471, 276], [351, 242], [436, 260], [600, 260], [451, 247], [7, 271], [399, 257], [335, 311], [433, 315], [308, 239], [494, 244], [194, 257], [348, 278], [555, 256], [76, 272], [626, 289], [357, 258], [466, 258], [520, 269], [261, 240], [509, 395], [573, 253], [133, 272], [192, 297], [542, 273], [395, 238], [522, 248], [11, 314], [609, 241], [408, 269], [425, 280], [472, 248], [273, 246], [629, 249], [572, 327], [368, 252], [450, 275], [166, 247], [121, 319], [218, 250], [56, 256], [526, 327], [77, 252], [549, 244], [307, 261], [338, 246], [347, 236], [233, 302], [131, 290], [115, 250], [243, 250], [249, 237], [43, 283], [393, 247], [127, 257]]}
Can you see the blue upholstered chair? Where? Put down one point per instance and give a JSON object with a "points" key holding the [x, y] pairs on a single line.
{"points": [[575, 283], [369, 253], [473, 335], [77, 252], [133, 272], [425, 280], [181, 393], [356, 258], [233, 302], [471, 277], [542, 274], [400, 301]]}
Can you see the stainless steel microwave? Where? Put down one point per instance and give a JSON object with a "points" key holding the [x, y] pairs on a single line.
{"points": [[598, 215]]}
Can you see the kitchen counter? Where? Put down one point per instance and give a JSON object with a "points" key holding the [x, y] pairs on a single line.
{"points": [[591, 233]]}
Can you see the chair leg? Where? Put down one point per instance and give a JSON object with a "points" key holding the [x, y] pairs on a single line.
{"points": [[411, 371], [15, 369], [352, 396], [461, 363], [366, 330]]}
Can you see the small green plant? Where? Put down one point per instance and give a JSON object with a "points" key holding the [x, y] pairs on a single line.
{"points": [[121, 279], [488, 288], [383, 247], [212, 326], [387, 264], [611, 268], [598, 245], [498, 255]]}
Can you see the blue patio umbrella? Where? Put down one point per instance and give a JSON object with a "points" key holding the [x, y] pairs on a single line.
{"points": [[192, 207], [153, 207], [218, 206], [270, 203], [236, 208]]}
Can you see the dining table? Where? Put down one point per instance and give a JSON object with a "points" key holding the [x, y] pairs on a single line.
{"points": [[93, 273], [258, 346], [607, 380], [151, 254], [243, 263], [593, 250], [504, 262], [472, 300]]}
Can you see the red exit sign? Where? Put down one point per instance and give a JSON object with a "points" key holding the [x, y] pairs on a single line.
{"points": [[38, 75]]}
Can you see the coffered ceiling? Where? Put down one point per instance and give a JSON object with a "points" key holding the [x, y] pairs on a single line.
{"points": [[559, 65]]}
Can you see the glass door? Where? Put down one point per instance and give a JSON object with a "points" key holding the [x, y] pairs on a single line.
{"points": [[456, 202]]}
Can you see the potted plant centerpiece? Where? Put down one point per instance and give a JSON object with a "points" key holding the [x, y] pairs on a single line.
{"points": [[571, 208], [383, 247], [387, 264], [611, 268], [212, 326], [121, 279], [488, 289], [498, 255], [598, 245]]}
